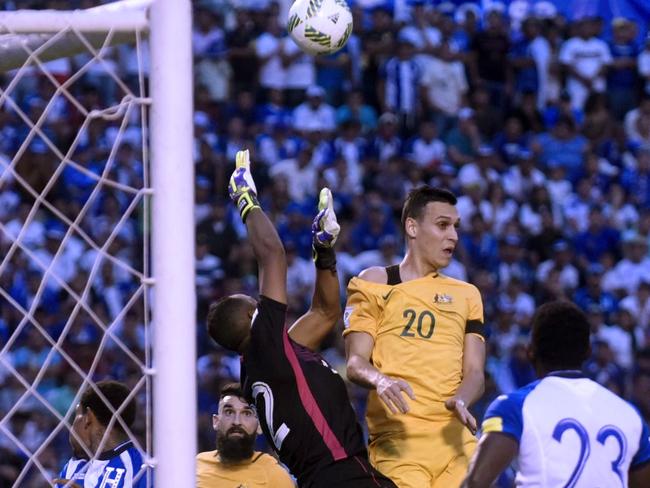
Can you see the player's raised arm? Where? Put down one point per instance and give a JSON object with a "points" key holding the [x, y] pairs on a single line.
{"points": [[310, 329], [268, 249]]}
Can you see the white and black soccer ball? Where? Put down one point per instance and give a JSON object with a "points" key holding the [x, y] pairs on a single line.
{"points": [[320, 26]]}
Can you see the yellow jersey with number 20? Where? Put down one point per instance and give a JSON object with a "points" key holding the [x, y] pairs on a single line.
{"points": [[419, 329]]}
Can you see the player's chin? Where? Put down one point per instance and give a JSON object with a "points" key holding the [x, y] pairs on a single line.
{"points": [[444, 258]]}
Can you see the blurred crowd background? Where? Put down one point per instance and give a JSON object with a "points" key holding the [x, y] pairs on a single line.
{"points": [[537, 118]]}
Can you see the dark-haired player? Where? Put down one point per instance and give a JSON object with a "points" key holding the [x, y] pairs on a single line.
{"points": [[302, 403], [565, 430], [413, 332], [104, 457], [235, 462]]}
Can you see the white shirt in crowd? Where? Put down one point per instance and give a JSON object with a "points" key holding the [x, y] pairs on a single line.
{"points": [[271, 74], [322, 118], [301, 73], [425, 153], [569, 276], [445, 83], [540, 50], [300, 181], [626, 275], [518, 185], [587, 56]]}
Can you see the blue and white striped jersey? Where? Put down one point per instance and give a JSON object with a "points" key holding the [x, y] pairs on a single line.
{"points": [[572, 432], [115, 468]]}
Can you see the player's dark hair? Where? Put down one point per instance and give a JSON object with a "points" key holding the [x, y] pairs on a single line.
{"points": [[231, 389], [228, 322], [560, 336], [418, 198], [116, 394]]}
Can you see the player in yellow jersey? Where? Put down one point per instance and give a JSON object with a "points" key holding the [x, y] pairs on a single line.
{"points": [[415, 338], [235, 464]]}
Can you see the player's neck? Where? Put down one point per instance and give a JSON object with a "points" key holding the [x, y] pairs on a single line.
{"points": [[114, 440], [412, 267], [543, 371]]}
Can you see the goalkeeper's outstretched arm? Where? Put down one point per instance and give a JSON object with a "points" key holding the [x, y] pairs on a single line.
{"points": [[310, 329], [268, 249]]}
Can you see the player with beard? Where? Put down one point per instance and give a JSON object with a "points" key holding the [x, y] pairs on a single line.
{"points": [[302, 403], [235, 463]]}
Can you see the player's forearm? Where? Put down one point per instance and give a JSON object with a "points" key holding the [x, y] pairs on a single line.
{"points": [[471, 387], [362, 373], [263, 237], [326, 299], [480, 478]]}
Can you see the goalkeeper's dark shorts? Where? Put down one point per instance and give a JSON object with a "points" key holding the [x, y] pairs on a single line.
{"points": [[352, 472]]}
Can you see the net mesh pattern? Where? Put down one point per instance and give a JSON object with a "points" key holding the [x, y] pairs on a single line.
{"points": [[75, 281]]}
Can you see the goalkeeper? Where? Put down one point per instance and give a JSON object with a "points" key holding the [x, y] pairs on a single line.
{"points": [[302, 403]]}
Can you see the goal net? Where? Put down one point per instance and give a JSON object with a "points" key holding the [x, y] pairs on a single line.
{"points": [[96, 236]]}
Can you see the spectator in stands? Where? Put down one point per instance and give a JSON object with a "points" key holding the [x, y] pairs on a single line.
{"points": [[599, 238], [628, 272], [355, 108], [636, 120], [268, 49], [521, 179], [314, 114], [464, 140], [387, 142], [563, 146], [399, 86], [444, 87], [622, 75], [586, 59], [300, 71], [489, 63]]}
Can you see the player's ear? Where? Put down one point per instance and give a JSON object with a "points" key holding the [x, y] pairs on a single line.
{"points": [[89, 418], [258, 431], [215, 421], [410, 227]]}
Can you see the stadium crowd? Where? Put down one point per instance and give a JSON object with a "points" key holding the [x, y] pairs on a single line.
{"points": [[540, 124]]}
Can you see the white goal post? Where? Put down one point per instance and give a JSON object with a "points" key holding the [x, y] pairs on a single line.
{"points": [[35, 37]]}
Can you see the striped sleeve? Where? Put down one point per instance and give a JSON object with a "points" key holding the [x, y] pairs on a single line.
{"points": [[74, 469]]}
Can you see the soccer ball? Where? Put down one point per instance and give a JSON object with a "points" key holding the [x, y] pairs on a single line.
{"points": [[320, 26]]}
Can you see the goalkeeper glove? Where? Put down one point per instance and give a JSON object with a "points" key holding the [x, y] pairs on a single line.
{"points": [[241, 188], [325, 230]]}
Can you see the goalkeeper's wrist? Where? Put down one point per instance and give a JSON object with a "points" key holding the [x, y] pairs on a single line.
{"points": [[324, 257], [246, 202]]}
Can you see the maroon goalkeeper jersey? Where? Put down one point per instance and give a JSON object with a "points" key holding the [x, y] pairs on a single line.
{"points": [[302, 403]]}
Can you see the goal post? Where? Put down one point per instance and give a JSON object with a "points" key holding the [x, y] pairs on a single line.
{"points": [[163, 283], [175, 418]]}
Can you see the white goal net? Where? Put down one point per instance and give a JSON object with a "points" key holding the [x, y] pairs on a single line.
{"points": [[86, 217]]}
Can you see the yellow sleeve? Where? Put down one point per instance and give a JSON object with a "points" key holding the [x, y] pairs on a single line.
{"points": [[474, 323], [362, 310]]}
